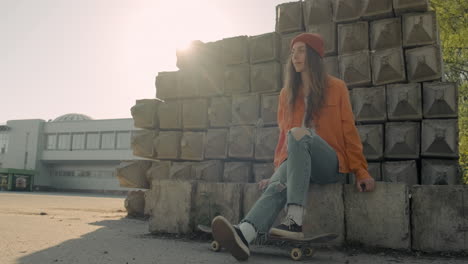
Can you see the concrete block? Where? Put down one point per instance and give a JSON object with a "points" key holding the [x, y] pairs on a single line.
{"points": [[424, 63], [439, 138], [439, 222], [192, 145], [166, 85], [251, 195], [265, 143], [374, 9], [170, 115], [265, 47], [388, 66], [235, 50], [324, 212], [211, 80], [269, 108], [237, 172], [211, 170], [374, 169], [328, 32], [167, 145], [404, 101], [237, 79], [133, 174], [440, 100], [189, 58], [402, 140], [405, 6], [195, 113], [353, 37], [265, 77], [377, 221], [263, 171], [420, 29], [142, 143], [214, 199], [369, 104], [348, 10], [317, 12], [285, 45], [218, 146], [372, 139], [135, 203], [400, 171], [355, 68], [241, 142], [385, 33], [245, 109], [188, 83], [289, 17], [159, 170], [182, 171], [219, 112], [171, 210], [439, 172], [145, 113], [331, 65], [211, 53]]}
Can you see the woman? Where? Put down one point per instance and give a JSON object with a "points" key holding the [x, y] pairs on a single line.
{"points": [[318, 143]]}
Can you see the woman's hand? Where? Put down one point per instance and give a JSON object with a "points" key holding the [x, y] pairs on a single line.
{"points": [[365, 185], [263, 184]]}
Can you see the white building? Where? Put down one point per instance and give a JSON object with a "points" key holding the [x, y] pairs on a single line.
{"points": [[72, 152]]}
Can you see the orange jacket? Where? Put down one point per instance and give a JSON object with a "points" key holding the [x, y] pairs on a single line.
{"points": [[334, 123]]}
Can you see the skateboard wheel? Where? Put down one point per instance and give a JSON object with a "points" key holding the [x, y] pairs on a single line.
{"points": [[215, 246], [296, 253], [309, 252]]}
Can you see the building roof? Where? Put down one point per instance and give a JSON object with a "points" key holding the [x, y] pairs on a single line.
{"points": [[72, 117]]}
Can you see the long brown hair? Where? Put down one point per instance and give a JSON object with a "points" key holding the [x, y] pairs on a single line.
{"points": [[318, 83]]}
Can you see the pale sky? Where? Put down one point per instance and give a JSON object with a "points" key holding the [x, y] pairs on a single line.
{"points": [[96, 57]]}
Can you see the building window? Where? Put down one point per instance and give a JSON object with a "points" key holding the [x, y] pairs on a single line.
{"points": [[3, 142], [51, 142], [92, 141], [78, 141], [63, 142], [123, 140], [108, 140]]}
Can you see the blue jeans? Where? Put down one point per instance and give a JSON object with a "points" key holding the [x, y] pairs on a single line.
{"points": [[310, 160]]}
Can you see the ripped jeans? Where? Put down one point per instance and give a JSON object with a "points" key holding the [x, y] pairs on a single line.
{"points": [[310, 160]]}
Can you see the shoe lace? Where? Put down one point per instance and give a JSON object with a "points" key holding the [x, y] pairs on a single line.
{"points": [[288, 221]]}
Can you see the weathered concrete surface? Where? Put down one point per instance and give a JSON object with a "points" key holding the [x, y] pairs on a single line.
{"points": [[132, 174], [285, 45], [218, 143], [404, 6], [219, 112], [166, 85], [355, 68], [241, 142], [440, 172], [142, 143], [235, 50], [385, 33], [192, 146], [375, 220], [439, 220], [424, 63], [190, 58], [331, 65], [372, 139], [369, 104], [159, 170], [237, 79], [182, 171], [167, 145], [317, 12], [265, 143], [402, 140], [388, 66], [439, 138], [328, 32], [237, 172], [265, 47], [170, 115], [265, 77], [324, 212], [145, 113], [195, 113], [214, 199], [374, 169], [420, 29], [348, 10], [211, 80], [245, 109], [135, 203], [172, 211], [211, 171], [269, 108], [377, 9], [440, 100], [289, 17], [404, 102], [400, 172], [188, 83], [353, 37], [263, 171]]}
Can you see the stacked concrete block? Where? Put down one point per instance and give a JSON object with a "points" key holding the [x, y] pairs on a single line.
{"points": [[405, 6], [317, 12], [440, 100], [181, 171], [237, 79], [263, 171], [235, 50], [218, 144], [439, 138], [167, 145], [195, 114], [265, 47], [132, 174], [289, 17], [385, 33], [159, 170], [241, 142], [402, 140], [377, 9], [420, 29], [135, 203], [211, 170], [265, 77], [355, 68], [251, 195], [192, 146], [439, 172], [328, 33], [424, 63], [372, 138], [170, 115], [245, 109], [266, 140], [348, 10], [332, 66], [166, 85], [145, 113], [353, 37], [219, 112], [188, 83], [237, 172], [369, 104], [269, 109], [388, 66], [400, 171], [142, 143], [404, 102]]}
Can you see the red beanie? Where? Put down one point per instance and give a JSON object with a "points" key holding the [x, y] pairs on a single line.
{"points": [[315, 41]]}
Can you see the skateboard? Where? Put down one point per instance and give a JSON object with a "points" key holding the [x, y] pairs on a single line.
{"points": [[297, 248]]}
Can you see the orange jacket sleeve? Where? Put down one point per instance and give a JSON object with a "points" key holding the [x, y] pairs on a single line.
{"points": [[353, 146]]}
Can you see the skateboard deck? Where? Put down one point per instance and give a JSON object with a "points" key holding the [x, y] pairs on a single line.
{"points": [[297, 249]]}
